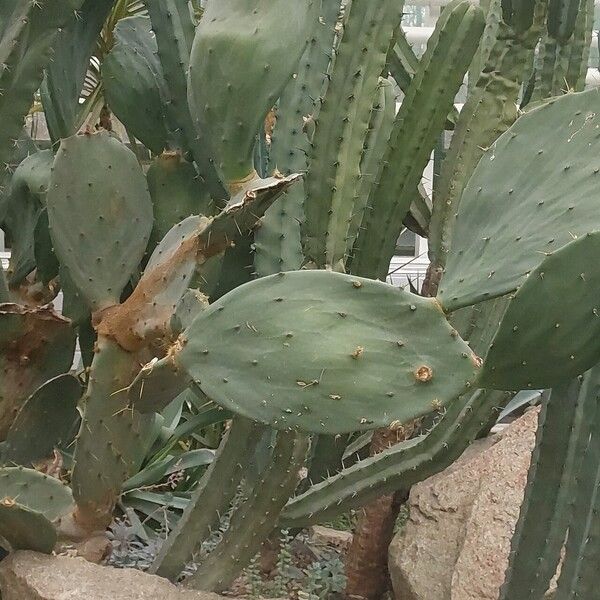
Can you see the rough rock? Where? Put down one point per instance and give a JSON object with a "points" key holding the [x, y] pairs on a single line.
{"points": [[330, 537], [456, 542], [32, 576]]}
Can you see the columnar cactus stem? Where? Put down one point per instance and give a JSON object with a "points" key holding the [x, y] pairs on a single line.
{"points": [[562, 435], [209, 502], [489, 111], [418, 124], [333, 179], [251, 524], [579, 571], [397, 468], [277, 240]]}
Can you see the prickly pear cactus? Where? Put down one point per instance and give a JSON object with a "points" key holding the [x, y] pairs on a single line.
{"points": [[25, 529], [36, 491], [44, 422], [31, 506], [134, 83], [524, 215], [100, 220], [237, 48], [253, 352]]}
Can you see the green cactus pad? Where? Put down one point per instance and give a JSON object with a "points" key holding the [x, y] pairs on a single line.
{"points": [[326, 352], [25, 529], [66, 74], [100, 215], [511, 219], [36, 491], [540, 344], [134, 82], [175, 193], [23, 207], [44, 422], [247, 50], [35, 345]]}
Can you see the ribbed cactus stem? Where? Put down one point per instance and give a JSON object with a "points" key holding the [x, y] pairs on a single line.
{"points": [[277, 240], [252, 523], [209, 501], [334, 177], [579, 570], [400, 467], [421, 118], [493, 15], [562, 435], [489, 111], [580, 47]]}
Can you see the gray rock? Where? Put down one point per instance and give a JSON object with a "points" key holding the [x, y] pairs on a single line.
{"points": [[456, 542], [32, 576], [325, 536]]}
